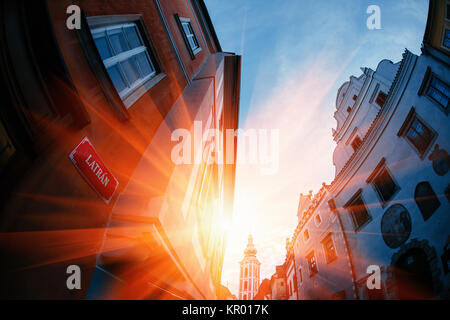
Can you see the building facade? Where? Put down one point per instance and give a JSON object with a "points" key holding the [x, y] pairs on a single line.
{"points": [[278, 284], [138, 224], [249, 272], [387, 208]]}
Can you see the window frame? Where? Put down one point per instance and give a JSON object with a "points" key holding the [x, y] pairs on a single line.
{"points": [[310, 265], [359, 143], [183, 20], [425, 87], [96, 23], [412, 115], [381, 95], [376, 173], [348, 206], [423, 203], [328, 258]]}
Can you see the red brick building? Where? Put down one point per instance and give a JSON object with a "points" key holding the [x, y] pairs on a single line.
{"points": [[133, 73]]}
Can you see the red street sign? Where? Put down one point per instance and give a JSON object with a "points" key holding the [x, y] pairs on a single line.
{"points": [[92, 168]]}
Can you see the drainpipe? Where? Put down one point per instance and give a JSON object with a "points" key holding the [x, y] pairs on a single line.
{"points": [[349, 254]]}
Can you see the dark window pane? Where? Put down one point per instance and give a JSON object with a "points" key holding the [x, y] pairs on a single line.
{"points": [[130, 69], [356, 143], [420, 135], [133, 37], [447, 38], [385, 185], [381, 99], [440, 92], [426, 199], [103, 48], [328, 246], [117, 78], [144, 63], [118, 42], [359, 213]]}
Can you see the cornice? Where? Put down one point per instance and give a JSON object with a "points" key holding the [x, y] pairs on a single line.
{"points": [[379, 123], [356, 106]]}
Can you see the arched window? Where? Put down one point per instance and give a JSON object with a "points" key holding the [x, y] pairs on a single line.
{"points": [[426, 199], [246, 272]]}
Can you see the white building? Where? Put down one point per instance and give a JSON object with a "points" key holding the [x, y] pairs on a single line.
{"points": [[388, 204], [249, 276]]}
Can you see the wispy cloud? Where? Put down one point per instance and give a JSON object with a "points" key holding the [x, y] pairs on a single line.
{"points": [[296, 56]]}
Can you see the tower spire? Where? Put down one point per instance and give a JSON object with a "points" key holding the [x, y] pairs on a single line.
{"points": [[249, 278]]}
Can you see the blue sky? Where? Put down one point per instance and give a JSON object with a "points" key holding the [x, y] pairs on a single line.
{"points": [[296, 54]]}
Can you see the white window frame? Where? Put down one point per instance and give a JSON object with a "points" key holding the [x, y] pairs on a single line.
{"points": [[191, 35], [133, 91]]}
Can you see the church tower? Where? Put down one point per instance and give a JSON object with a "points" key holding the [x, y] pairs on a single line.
{"points": [[249, 279]]}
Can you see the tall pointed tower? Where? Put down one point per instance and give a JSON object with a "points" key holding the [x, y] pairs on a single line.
{"points": [[249, 279]]}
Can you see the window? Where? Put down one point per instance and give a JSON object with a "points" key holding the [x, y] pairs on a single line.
{"points": [[300, 276], [426, 199], [383, 183], [328, 247], [355, 97], [318, 219], [290, 288], [245, 297], [356, 143], [332, 205], [381, 98], [190, 39], [312, 263], [446, 40], [439, 91], [358, 211], [417, 133], [306, 235], [245, 285], [125, 56], [246, 272], [349, 109]]}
